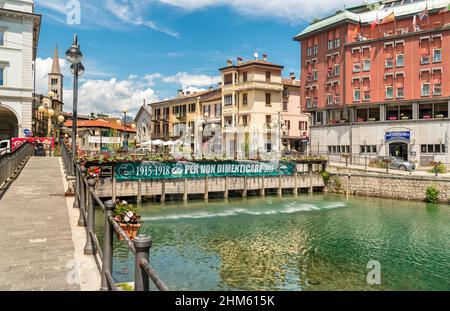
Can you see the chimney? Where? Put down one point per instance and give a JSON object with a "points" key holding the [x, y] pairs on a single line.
{"points": [[265, 57], [239, 60], [229, 63], [188, 93], [180, 93], [292, 75]]}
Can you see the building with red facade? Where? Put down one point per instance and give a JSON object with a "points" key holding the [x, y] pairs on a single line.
{"points": [[376, 80]]}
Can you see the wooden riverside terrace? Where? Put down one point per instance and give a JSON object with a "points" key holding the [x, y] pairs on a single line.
{"points": [[307, 178]]}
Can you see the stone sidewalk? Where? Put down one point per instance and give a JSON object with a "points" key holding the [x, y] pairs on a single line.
{"points": [[36, 248]]}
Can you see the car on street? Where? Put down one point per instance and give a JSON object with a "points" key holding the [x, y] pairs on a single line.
{"points": [[397, 163], [5, 146]]}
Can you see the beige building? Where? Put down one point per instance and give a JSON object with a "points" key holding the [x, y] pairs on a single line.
{"points": [[252, 106]]}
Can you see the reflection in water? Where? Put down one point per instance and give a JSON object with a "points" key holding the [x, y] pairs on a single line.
{"points": [[308, 243]]}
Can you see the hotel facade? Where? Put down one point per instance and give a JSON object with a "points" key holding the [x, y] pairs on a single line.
{"points": [[376, 81], [252, 102]]}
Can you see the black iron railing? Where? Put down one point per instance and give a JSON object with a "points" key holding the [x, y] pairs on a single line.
{"points": [[12, 161], [86, 199]]}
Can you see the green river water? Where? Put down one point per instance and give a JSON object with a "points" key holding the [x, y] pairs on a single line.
{"points": [[320, 242]]}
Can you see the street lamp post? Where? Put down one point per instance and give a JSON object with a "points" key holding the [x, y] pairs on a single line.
{"points": [[125, 129], [74, 56]]}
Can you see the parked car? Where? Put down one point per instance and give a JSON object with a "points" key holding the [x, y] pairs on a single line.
{"points": [[398, 163], [5, 147]]}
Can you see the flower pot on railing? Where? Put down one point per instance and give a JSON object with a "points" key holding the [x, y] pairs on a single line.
{"points": [[127, 217]]}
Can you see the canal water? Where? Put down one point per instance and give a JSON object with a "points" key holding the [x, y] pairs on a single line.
{"points": [[320, 242]]}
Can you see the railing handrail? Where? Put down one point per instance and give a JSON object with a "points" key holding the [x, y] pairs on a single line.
{"points": [[85, 199]]}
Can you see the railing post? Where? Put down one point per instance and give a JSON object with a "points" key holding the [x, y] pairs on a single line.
{"points": [[89, 248], [84, 192], [142, 244], [77, 184], [107, 245]]}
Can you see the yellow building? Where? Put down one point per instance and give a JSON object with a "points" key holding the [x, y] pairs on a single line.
{"points": [[253, 106]]}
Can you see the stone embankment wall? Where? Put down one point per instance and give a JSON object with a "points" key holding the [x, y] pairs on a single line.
{"points": [[407, 187]]}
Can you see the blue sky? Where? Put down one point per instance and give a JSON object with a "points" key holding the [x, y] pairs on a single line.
{"points": [[148, 49]]}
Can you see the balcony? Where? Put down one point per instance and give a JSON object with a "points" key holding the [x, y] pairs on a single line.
{"points": [[251, 85]]}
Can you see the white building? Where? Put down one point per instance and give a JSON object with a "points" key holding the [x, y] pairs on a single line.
{"points": [[19, 36], [144, 126]]}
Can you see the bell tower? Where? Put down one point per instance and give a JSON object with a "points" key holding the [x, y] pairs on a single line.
{"points": [[55, 78]]}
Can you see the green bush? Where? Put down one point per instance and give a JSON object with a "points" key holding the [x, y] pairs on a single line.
{"points": [[326, 177], [438, 168], [377, 163], [432, 194]]}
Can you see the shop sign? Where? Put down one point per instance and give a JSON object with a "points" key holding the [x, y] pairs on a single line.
{"points": [[403, 135]]}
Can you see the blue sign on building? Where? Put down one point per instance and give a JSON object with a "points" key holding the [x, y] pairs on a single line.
{"points": [[404, 135]]}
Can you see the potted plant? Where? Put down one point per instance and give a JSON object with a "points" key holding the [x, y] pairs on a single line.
{"points": [[440, 116], [129, 220], [93, 172], [360, 120]]}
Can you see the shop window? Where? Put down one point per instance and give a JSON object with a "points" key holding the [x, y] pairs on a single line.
{"points": [[405, 112], [441, 110], [392, 113], [425, 111]]}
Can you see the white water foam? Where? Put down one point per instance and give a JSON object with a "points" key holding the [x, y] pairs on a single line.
{"points": [[289, 208]]}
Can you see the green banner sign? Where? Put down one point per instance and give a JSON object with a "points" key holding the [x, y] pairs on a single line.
{"points": [[158, 170]]}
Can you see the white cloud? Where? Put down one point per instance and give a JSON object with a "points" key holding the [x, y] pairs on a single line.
{"points": [[100, 95], [293, 11], [187, 80]]}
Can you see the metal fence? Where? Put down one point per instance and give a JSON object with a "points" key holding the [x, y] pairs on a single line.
{"points": [[12, 162], [86, 199]]}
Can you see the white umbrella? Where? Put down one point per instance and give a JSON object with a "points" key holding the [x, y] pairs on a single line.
{"points": [[168, 143], [157, 142], [146, 143]]}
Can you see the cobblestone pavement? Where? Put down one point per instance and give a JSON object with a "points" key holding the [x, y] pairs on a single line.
{"points": [[36, 248]]}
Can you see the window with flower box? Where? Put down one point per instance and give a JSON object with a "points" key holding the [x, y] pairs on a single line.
{"points": [[366, 95], [437, 89], [425, 59]]}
